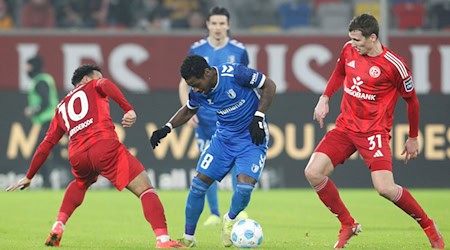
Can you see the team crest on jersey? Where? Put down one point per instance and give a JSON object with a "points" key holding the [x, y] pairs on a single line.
{"points": [[231, 94], [231, 59], [374, 71], [408, 84]]}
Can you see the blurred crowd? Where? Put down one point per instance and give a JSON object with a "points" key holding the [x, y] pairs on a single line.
{"points": [[257, 15]]}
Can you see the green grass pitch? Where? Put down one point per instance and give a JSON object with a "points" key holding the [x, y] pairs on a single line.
{"points": [[291, 219]]}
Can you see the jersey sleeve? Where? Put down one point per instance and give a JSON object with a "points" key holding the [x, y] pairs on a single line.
{"points": [[106, 88], [246, 76], [54, 134], [338, 76], [403, 82], [192, 102]]}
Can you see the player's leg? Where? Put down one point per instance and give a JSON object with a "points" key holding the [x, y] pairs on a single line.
{"points": [[243, 214], [153, 208], [383, 182], [123, 170], [73, 196], [213, 202], [249, 165], [212, 165], [319, 167]]}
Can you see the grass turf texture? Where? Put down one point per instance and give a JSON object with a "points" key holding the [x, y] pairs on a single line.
{"points": [[291, 219]]}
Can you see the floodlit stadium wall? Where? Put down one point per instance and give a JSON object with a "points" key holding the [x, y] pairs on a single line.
{"points": [[146, 68], [294, 136]]}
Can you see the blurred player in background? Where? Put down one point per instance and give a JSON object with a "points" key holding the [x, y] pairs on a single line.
{"points": [[240, 140], [42, 101], [94, 149], [217, 48], [372, 77]]}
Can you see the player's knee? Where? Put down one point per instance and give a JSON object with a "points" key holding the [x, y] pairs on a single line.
{"points": [[386, 191], [312, 174], [198, 187]]}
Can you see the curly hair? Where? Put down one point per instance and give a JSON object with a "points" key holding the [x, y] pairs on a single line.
{"points": [[84, 70], [193, 66]]}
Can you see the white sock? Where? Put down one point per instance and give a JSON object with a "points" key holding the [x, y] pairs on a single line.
{"points": [[188, 237], [163, 238]]}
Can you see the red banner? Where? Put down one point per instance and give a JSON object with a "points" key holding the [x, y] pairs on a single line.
{"points": [[143, 63]]}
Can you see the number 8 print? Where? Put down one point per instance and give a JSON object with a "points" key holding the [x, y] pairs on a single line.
{"points": [[71, 111]]}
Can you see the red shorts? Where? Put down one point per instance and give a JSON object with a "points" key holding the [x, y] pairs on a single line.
{"points": [[339, 144], [108, 158]]}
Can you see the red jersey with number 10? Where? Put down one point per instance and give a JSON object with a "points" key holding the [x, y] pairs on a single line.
{"points": [[84, 115], [371, 89]]}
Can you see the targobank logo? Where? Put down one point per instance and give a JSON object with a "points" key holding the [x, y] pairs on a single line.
{"points": [[355, 90]]}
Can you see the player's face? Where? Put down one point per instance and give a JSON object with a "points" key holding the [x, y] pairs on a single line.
{"points": [[204, 84], [218, 27], [362, 44]]}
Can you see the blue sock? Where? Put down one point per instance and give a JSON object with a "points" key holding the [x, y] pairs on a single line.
{"points": [[213, 201], [240, 199], [194, 204]]}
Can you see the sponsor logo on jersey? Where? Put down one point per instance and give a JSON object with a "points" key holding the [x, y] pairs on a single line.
{"points": [[355, 90], [351, 64], [80, 127], [375, 71], [231, 108], [231, 94], [408, 84], [254, 78]]}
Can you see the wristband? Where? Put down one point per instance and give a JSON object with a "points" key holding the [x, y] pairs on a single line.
{"points": [[169, 125], [260, 114]]}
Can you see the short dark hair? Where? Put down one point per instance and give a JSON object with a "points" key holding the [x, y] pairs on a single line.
{"points": [[84, 70], [193, 66], [218, 10], [365, 23]]}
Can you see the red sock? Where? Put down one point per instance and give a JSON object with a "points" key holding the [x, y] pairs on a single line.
{"points": [[154, 211], [406, 202], [329, 195], [73, 197]]}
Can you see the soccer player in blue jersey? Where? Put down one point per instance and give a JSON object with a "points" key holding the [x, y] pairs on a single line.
{"points": [[239, 97], [217, 48]]}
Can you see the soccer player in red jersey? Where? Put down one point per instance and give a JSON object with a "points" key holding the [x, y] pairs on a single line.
{"points": [[94, 149], [372, 77]]}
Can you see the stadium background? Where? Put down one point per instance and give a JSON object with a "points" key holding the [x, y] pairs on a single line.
{"points": [[140, 47]]}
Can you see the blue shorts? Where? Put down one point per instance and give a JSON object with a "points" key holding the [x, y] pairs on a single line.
{"points": [[218, 159]]}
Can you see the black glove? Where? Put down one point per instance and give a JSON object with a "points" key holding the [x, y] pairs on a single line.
{"points": [[158, 135], [257, 130]]}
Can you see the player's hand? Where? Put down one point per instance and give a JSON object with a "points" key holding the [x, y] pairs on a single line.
{"points": [[411, 150], [193, 121], [21, 184], [321, 110], [158, 135], [128, 119], [257, 128]]}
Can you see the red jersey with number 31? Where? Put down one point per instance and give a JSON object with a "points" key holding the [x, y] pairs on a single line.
{"points": [[371, 89], [84, 115]]}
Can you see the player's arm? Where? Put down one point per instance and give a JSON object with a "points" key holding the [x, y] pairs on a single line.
{"points": [[107, 88], [408, 93], [54, 134], [334, 83], [183, 94], [183, 115]]}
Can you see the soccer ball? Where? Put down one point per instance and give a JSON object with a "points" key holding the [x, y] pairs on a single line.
{"points": [[247, 233]]}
